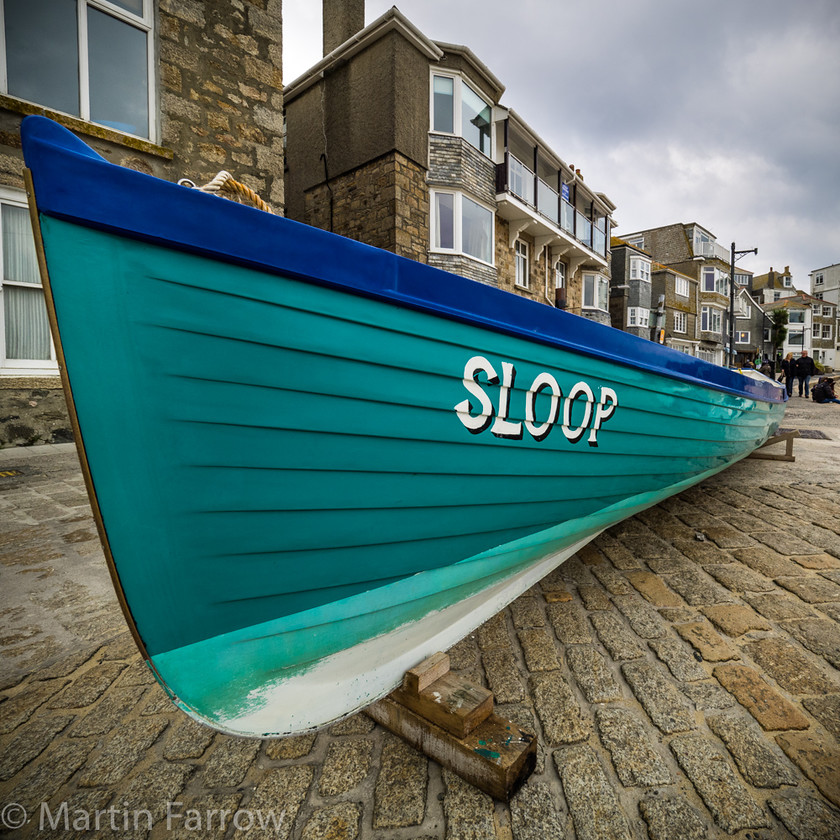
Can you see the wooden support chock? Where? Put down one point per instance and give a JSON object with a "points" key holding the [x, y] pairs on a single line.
{"points": [[452, 721], [787, 438]]}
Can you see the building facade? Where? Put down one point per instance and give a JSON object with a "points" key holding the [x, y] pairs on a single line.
{"points": [[772, 286], [692, 251], [681, 293], [402, 142], [753, 339], [631, 295], [173, 89], [812, 326]]}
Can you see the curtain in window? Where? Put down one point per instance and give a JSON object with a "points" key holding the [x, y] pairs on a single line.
{"points": [[27, 327]]}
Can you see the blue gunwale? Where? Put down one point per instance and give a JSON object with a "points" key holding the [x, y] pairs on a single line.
{"points": [[143, 207]]}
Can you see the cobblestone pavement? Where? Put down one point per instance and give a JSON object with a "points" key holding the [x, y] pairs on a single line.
{"points": [[681, 673]]}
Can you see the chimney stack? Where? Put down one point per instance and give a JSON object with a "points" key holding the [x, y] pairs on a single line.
{"points": [[342, 20]]}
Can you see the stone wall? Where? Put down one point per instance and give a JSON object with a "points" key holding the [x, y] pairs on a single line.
{"points": [[33, 411], [385, 204]]}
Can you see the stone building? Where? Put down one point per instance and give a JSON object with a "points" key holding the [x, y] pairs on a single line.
{"points": [[681, 307], [630, 289], [773, 286], [811, 326], [753, 339], [692, 251], [402, 142], [174, 88]]}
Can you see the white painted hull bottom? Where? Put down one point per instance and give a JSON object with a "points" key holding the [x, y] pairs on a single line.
{"points": [[322, 692]]}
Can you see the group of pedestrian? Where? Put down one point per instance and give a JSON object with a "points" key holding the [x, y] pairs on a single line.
{"points": [[802, 369]]}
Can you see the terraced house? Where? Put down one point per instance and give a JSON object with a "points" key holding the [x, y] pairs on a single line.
{"points": [[693, 251], [402, 142], [169, 87]]}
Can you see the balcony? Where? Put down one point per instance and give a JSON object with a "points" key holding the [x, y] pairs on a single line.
{"points": [[712, 249], [531, 203]]}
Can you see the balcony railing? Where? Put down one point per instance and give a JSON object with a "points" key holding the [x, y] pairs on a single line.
{"points": [[712, 249], [518, 179]]}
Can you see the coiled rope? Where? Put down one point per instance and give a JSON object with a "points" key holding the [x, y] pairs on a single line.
{"points": [[224, 183]]}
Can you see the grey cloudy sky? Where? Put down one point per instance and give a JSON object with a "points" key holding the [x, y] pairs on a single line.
{"points": [[721, 112]]}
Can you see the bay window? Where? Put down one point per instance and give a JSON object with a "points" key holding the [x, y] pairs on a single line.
{"points": [[25, 343], [681, 286], [595, 292], [710, 319], [88, 58], [460, 110], [638, 317], [639, 270], [461, 225]]}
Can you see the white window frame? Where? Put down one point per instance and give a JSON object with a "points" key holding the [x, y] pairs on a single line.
{"points": [[638, 316], [818, 279], [827, 332], [787, 282], [560, 274], [457, 235], [709, 317], [522, 264], [826, 311], [680, 322], [815, 331], [680, 284], [600, 291], [457, 109], [640, 269], [144, 22], [20, 367], [742, 337]]}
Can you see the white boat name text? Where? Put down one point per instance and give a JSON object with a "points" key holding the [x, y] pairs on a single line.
{"points": [[596, 412]]}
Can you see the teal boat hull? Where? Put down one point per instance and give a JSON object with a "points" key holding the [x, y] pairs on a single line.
{"points": [[308, 480]]}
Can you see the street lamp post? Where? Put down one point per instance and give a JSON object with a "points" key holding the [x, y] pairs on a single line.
{"points": [[733, 255]]}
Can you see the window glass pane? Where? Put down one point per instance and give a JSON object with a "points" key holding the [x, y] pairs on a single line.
{"points": [[444, 220], [135, 6], [119, 94], [477, 229], [20, 263], [42, 52], [588, 290], [444, 98], [475, 119], [27, 328]]}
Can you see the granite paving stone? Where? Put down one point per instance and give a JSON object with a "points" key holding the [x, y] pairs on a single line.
{"points": [[644, 620], [535, 813], [730, 802], [653, 589], [28, 742], [739, 578], [469, 812], [526, 613], [18, 709], [819, 761], [89, 687], [539, 650], [594, 597], [621, 557], [826, 710], [669, 710], [104, 716], [764, 703], [636, 761], [671, 817], [786, 544], [569, 623], [557, 708], [229, 761], [735, 619], [493, 634], [792, 669], [813, 590], [766, 561], [706, 641], [779, 606], [503, 677], [817, 562], [336, 822], [593, 676], [346, 765], [819, 635], [708, 696], [615, 637], [188, 739], [277, 798], [806, 818], [760, 761], [702, 552], [680, 661], [612, 581], [296, 746], [594, 806], [400, 793], [696, 589], [121, 752]]}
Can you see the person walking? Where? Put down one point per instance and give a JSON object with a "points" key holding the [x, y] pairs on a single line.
{"points": [[804, 369], [787, 369]]}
